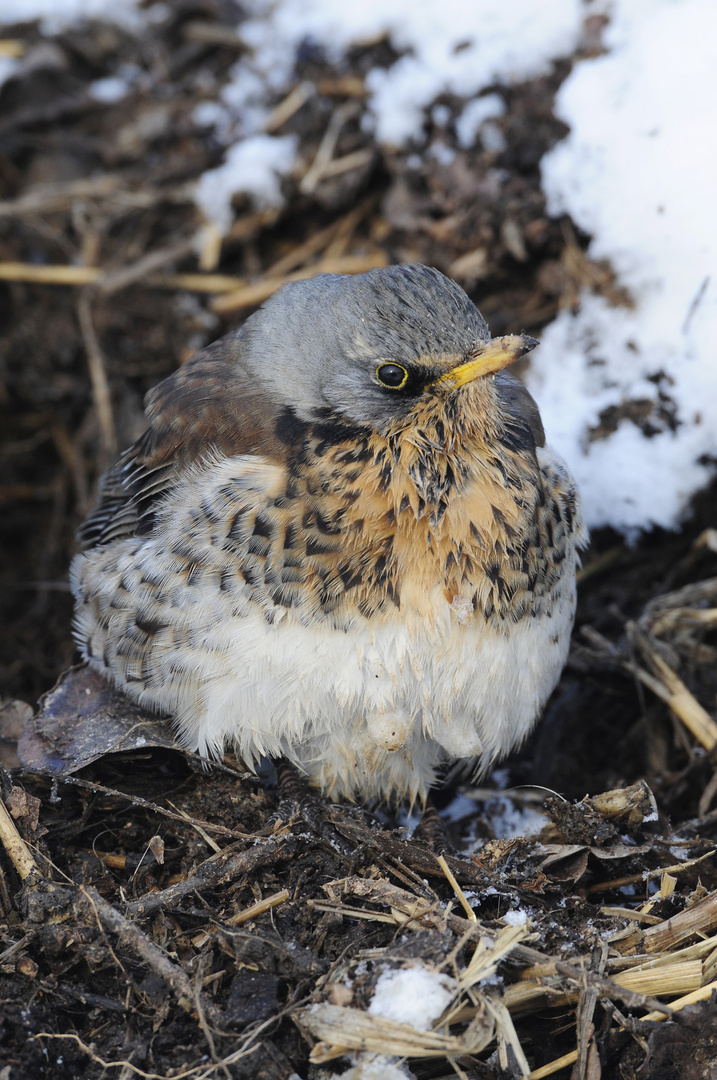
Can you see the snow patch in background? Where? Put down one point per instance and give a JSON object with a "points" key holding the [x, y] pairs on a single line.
{"points": [[637, 173], [457, 45], [8, 67], [460, 46], [475, 115], [58, 14], [253, 167]]}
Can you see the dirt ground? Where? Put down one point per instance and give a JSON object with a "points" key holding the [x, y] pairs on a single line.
{"points": [[155, 919]]}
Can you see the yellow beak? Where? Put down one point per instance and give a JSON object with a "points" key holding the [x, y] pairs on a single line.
{"points": [[495, 355]]}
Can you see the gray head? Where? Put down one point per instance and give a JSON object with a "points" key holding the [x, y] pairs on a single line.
{"points": [[317, 345]]}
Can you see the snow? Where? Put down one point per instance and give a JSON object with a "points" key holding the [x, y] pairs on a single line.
{"points": [[109, 90], [414, 995], [475, 115], [375, 1067], [518, 917], [501, 814], [456, 45], [8, 68], [254, 167], [55, 15], [636, 172]]}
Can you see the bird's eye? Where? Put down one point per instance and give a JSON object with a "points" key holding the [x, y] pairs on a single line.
{"points": [[392, 376]]}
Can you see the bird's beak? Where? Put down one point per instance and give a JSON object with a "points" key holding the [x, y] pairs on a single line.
{"points": [[495, 355]]}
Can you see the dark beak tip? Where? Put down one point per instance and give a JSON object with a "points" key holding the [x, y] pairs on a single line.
{"points": [[528, 344]]}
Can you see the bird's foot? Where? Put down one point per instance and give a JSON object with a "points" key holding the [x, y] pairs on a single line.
{"points": [[431, 830], [296, 800]]}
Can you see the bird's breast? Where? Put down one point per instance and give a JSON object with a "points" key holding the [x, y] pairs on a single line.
{"points": [[402, 524]]}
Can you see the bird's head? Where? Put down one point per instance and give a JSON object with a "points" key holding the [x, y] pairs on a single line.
{"points": [[384, 350]]}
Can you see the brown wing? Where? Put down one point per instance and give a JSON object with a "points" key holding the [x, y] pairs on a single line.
{"points": [[210, 405]]}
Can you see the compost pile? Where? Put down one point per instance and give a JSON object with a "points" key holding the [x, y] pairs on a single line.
{"points": [[158, 919]]}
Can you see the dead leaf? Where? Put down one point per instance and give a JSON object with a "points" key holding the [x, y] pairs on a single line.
{"points": [[82, 719]]}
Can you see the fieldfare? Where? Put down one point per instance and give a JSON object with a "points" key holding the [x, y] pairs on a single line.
{"points": [[342, 540]]}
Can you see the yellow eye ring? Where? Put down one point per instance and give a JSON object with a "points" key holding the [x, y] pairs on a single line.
{"points": [[392, 376]]}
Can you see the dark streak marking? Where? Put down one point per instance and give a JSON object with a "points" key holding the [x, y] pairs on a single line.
{"points": [[314, 546], [263, 526]]}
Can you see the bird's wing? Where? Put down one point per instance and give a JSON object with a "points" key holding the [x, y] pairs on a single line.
{"points": [[524, 427], [208, 406]]}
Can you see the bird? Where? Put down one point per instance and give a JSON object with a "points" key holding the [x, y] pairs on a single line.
{"points": [[341, 541]]}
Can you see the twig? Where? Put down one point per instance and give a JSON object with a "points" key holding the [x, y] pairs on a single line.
{"points": [[204, 32], [134, 939], [700, 918], [216, 871], [198, 1071], [98, 376], [346, 86], [647, 875], [291, 104], [554, 1066], [15, 846], [457, 889], [142, 268], [354, 160], [94, 275], [324, 154], [12, 47], [137, 800], [240, 291], [197, 828], [507, 1035], [667, 685], [243, 916], [259, 908], [49, 275], [586, 1007], [683, 1002]]}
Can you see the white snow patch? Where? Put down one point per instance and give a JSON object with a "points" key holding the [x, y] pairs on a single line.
{"points": [[377, 1067], [492, 137], [515, 918], [8, 67], [459, 46], [58, 14], [414, 995], [508, 818], [474, 115], [253, 167], [637, 173], [109, 90]]}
